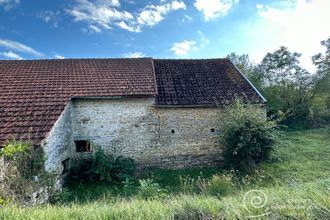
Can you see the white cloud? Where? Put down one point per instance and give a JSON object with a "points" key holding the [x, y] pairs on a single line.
{"points": [[212, 9], [186, 18], [12, 45], [300, 25], [102, 13], [105, 15], [50, 17], [186, 47], [91, 29], [94, 29], [11, 55], [134, 54], [259, 6], [114, 2], [183, 48], [8, 4], [57, 56], [129, 26], [176, 5], [204, 40], [153, 14]]}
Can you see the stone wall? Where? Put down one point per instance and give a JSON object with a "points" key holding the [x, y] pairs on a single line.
{"points": [[187, 137], [2, 169], [119, 126], [59, 142], [152, 136]]}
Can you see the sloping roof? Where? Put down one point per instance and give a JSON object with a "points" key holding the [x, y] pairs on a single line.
{"points": [[207, 82], [34, 93]]}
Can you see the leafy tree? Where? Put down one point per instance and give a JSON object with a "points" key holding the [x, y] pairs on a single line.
{"points": [[241, 61], [320, 114], [283, 67], [247, 67], [322, 62], [287, 86]]}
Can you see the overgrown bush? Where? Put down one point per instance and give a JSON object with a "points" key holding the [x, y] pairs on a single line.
{"points": [[61, 197], [22, 171], [129, 187], [103, 167], [2, 201], [148, 189], [248, 135], [319, 117]]}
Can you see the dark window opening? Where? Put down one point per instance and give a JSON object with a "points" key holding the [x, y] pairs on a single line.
{"points": [[173, 131], [212, 129], [66, 165], [83, 146]]}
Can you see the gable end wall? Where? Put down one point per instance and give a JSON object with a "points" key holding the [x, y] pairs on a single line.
{"points": [[58, 143]]}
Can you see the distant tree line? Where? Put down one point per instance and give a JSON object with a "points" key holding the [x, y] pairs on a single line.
{"points": [[298, 98]]}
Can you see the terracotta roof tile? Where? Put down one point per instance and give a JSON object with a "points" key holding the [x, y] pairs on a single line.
{"points": [[206, 82], [34, 93]]}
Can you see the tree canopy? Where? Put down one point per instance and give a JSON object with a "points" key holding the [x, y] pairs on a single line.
{"points": [[290, 90]]}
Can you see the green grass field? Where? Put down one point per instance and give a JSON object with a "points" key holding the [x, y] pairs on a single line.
{"points": [[295, 184]]}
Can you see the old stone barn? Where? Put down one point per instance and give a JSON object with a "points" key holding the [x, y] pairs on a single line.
{"points": [[159, 112]]}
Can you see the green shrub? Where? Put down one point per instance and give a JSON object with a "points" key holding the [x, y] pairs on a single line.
{"points": [[61, 197], [2, 201], [129, 187], [248, 135], [148, 189], [13, 148], [319, 117], [21, 162], [28, 159], [220, 185], [103, 167], [123, 168]]}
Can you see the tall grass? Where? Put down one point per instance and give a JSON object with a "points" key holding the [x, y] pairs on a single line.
{"points": [[295, 185], [309, 201]]}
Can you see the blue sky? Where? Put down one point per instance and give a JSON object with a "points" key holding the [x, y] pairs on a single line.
{"points": [[39, 29]]}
